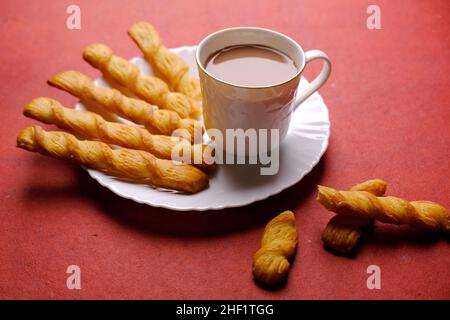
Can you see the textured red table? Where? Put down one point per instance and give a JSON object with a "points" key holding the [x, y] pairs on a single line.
{"points": [[388, 98]]}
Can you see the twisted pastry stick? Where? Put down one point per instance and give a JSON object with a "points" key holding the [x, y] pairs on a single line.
{"points": [[167, 64], [127, 164], [342, 233], [420, 214], [138, 111], [93, 126], [127, 75], [279, 241]]}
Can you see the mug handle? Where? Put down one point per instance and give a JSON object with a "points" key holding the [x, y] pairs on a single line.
{"points": [[319, 80]]}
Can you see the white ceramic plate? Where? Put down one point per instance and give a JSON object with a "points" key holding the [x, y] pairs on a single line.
{"points": [[238, 185]]}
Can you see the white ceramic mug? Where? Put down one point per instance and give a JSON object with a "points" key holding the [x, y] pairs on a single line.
{"points": [[230, 106]]}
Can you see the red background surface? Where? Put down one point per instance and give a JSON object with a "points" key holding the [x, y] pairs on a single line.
{"points": [[388, 98]]}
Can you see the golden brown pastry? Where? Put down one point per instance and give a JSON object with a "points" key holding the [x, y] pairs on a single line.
{"points": [[420, 214], [279, 241], [124, 74], [127, 164], [156, 121], [342, 233], [376, 187], [167, 64], [93, 126]]}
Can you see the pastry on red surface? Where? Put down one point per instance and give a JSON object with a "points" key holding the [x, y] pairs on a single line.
{"points": [[342, 233], [278, 244], [419, 214]]}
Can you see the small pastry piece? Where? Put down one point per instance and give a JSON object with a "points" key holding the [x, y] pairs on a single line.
{"points": [[167, 64], [419, 214], [376, 187], [342, 233], [126, 164], [127, 75], [279, 241], [93, 126], [156, 121]]}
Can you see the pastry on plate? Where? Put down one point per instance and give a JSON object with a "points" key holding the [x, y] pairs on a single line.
{"points": [[164, 62], [156, 121], [127, 164], [128, 78], [92, 126]]}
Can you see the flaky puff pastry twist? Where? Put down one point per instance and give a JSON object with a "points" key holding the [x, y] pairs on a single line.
{"points": [[140, 112], [167, 64], [420, 214], [126, 164], [127, 76], [342, 232], [93, 126], [279, 241]]}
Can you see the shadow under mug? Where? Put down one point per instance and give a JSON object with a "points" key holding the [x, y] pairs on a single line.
{"points": [[230, 106]]}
